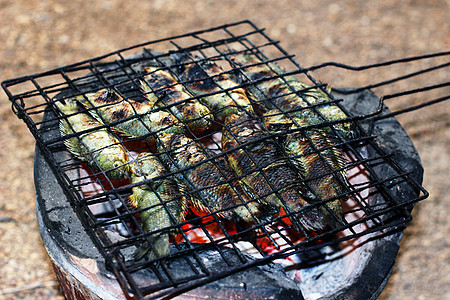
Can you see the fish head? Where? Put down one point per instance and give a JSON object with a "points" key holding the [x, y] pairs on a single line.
{"points": [[115, 161], [146, 165]]}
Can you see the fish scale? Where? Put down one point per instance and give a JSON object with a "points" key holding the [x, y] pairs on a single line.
{"points": [[268, 178]]}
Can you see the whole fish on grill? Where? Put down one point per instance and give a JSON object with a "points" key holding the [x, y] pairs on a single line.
{"points": [[257, 157], [225, 97], [273, 90], [162, 202], [129, 117], [220, 93], [320, 161], [91, 142], [162, 89], [217, 192]]}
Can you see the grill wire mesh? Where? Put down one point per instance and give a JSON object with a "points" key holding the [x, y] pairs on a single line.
{"points": [[118, 230]]}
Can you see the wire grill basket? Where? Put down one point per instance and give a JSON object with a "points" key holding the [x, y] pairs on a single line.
{"points": [[103, 204]]}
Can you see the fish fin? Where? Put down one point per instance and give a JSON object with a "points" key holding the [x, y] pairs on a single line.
{"points": [[88, 107], [68, 107], [72, 144], [159, 242], [198, 205], [258, 106], [186, 197], [141, 251], [64, 127], [131, 200], [73, 147]]}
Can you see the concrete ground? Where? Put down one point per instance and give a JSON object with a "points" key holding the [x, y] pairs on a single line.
{"points": [[41, 35]]}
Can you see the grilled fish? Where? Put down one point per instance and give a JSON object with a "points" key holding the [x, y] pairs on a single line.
{"points": [[161, 201], [320, 161], [255, 156], [216, 192], [162, 89], [222, 94], [131, 118], [288, 94], [92, 143]]}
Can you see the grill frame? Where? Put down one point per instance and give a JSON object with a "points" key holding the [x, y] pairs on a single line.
{"points": [[116, 261]]}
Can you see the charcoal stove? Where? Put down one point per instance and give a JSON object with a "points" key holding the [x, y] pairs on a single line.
{"points": [[91, 232]]}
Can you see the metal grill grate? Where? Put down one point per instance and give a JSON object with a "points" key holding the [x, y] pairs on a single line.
{"points": [[103, 203]]}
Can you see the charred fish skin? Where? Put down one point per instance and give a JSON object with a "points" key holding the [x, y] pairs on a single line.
{"points": [[319, 171], [97, 146], [208, 78], [248, 197], [320, 162], [264, 167], [161, 89], [202, 176], [288, 94], [161, 201], [223, 96], [131, 118]]}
